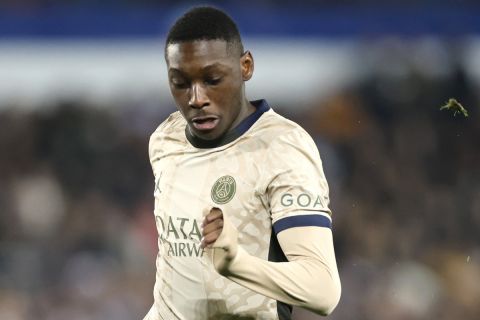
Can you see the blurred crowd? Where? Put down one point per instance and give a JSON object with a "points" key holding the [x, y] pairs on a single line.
{"points": [[405, 189], [77, 239], [77, 235]]}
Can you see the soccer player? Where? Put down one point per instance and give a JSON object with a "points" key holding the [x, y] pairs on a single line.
{"points": [[241, 200]]}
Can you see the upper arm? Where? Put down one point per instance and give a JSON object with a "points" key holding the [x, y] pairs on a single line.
{"points": [[297, 190], [308, 243], [299, 204]]}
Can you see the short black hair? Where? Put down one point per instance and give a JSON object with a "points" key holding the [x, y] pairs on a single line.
{"points": [[205, 23]]}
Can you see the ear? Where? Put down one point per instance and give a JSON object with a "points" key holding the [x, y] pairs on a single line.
{"points": [[247, 65]]}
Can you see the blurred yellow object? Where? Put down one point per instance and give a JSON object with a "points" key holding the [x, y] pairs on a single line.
{"points": [[454, 105]]}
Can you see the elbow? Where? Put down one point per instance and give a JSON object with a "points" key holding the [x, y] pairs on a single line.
{"points": [[331, 303], [326, 299]]}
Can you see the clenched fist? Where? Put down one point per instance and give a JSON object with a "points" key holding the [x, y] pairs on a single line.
{"points": [[212, 227], [221, 237]]}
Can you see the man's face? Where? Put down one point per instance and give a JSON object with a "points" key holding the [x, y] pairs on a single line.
{"points": [[206, 81]]}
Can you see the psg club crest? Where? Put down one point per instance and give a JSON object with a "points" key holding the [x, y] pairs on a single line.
{"points": [[223, 189]]}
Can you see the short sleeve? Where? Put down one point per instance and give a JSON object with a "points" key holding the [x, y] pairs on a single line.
{"points": [[297, 190]]}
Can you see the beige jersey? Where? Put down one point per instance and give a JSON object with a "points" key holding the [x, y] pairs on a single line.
{"points": [[266, 176]]}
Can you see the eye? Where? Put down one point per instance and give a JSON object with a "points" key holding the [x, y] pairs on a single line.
{"points": [[179, 83], [213, 81]]}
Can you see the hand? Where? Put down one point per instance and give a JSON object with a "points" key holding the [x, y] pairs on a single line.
{"points": [[212, 227], [220, 235]]}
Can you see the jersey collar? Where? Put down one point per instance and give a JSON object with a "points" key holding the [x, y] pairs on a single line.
{"points": [[261, 107]]}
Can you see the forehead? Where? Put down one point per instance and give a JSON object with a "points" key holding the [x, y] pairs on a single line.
{"points": [[198, 53]]}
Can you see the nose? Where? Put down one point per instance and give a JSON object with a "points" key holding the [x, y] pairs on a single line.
{"points": [[198, 97]]}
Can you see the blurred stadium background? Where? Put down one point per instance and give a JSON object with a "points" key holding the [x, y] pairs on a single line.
{"points": [[83, 84]]}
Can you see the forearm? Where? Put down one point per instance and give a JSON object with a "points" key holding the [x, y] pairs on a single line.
{"points": [[304, 283], [309, 279]]}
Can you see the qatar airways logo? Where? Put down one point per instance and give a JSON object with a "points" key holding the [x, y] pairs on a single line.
{"points": [[180, 235]]}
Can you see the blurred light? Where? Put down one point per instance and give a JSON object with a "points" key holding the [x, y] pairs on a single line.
{"points": [[40, 204]]}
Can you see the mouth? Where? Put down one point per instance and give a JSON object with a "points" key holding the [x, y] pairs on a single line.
{"points": [[205, 123]]}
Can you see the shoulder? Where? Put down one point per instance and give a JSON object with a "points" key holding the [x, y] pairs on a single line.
{"points": [[277, 130], [168, 133], [172, 124]]}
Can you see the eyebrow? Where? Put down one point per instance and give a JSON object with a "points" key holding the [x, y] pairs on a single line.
{"points": [[206, 68], [213, 66]]}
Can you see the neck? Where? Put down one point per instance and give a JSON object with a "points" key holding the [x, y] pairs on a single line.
{"points": [[246, 110]]}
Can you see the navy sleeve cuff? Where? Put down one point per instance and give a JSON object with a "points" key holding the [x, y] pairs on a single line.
{"points": [[310, 220]]}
